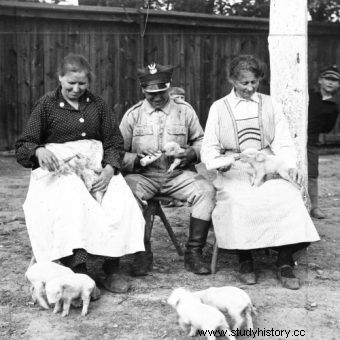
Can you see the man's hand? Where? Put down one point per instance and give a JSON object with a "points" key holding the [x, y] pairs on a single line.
{"points": [[148, 152], [104, 178], [187, 157], [295, 176], [47, 159]]}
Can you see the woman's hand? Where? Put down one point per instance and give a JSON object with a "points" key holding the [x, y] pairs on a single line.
{"points": [[47, 159], [103, 180], [295, 176]]}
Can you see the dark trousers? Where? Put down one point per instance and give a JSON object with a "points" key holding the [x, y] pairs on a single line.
{"points": [[285, 253]]}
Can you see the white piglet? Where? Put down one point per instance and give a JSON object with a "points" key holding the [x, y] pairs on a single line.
{"points": [[194, 315], [62, 290], [264, 164], [173, 149], [38, 274], [230, 300]]}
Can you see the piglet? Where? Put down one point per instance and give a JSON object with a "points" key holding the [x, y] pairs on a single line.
{"points": [[173, 149], [38, 274], [264, 164], [62, 290], [194, 315], [230, 300]]}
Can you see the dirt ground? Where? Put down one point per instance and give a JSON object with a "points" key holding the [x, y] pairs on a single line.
{"points": [[143, 312]]}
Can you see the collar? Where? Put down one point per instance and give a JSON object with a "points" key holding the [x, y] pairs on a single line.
{"points": [[86, 97], [318, 93], [149, 109], [235, 100]]}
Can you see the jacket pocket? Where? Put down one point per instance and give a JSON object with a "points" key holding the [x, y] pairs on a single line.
{"points": [[142, 130], [177, 133]]}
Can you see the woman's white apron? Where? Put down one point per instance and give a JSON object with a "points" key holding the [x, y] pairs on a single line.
{"points": [[61, 214], [249, 217]]}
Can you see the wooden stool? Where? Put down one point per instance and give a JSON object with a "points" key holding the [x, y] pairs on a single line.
{"points": [[213, 265], [154, 208]]}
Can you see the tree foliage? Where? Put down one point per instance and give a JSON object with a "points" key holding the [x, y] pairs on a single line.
{"points": [[324, 10], [319, 10]]}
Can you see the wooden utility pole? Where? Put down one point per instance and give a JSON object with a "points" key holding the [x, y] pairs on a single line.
{"points": [[289, 71]]}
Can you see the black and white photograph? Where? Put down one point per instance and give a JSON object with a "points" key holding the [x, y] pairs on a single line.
{"points": [[169, 169]]}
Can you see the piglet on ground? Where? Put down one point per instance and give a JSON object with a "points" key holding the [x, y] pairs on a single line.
{"points": [[194, 315], [230, 300], [38, 274], [62, 290]]}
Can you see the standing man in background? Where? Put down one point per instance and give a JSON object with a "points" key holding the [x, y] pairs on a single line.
{"points": [[322, 116]]}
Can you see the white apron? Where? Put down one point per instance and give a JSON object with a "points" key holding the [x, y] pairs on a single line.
{"points": [[61, 214], [249, 217]]}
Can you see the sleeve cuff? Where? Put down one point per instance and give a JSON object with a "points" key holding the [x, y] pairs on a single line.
{"points": [[197, 150], [129, 161]]}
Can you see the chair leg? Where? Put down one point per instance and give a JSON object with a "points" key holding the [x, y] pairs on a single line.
{"points": [[149, 217], [214, 258], [168, 228]]}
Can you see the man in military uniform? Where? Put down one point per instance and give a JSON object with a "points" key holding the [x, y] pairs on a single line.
{"points": [[146, 128], [322, 116]]}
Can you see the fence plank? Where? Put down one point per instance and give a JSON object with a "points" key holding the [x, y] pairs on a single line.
{"points": [[35, 37]]}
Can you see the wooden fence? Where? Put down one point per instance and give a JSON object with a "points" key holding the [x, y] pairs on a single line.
{"points": [[34, 37]]}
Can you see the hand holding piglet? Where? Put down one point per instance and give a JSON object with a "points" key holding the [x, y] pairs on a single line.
{"points": [[183, 156]]}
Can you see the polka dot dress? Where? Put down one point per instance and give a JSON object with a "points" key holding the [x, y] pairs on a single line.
{"points": [[54, 120]]}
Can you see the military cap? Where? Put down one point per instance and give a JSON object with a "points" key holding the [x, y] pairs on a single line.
{"points": [[155, 77], [330, 72]]}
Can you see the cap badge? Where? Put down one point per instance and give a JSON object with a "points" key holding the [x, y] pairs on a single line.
{"points": [[152, 68]]}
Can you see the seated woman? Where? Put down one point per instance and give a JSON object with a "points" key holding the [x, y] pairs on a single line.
{"points": [[248, 217], [77, 202]]}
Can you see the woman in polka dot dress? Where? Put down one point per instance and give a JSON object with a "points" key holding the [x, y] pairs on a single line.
{"points": [[64, 221]]}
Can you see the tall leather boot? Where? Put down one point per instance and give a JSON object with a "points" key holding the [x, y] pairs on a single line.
{"points": [[315, 211], [193, 259]]}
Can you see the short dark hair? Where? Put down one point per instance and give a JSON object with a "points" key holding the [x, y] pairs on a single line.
{"points": [[245, 62], [75, 63], [177, 90]]}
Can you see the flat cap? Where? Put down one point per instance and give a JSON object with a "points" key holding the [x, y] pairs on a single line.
{"points": [[330, 72], [155, 77]]}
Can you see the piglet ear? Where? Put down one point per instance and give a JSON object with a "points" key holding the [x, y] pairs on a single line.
{"points": [[260, 157]]}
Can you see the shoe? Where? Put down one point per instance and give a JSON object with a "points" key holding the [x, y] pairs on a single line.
{"points": [[116, 283], [317, 213], [247, 273], [193, 258], [95, 295], [142, 263], [287, 278]]}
